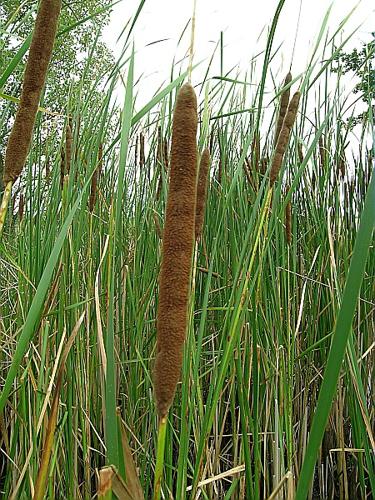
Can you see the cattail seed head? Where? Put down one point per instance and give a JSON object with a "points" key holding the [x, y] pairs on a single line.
{"points": [[33, 83], [284, 101], [204, 169], [284, 135], [178, 241]]}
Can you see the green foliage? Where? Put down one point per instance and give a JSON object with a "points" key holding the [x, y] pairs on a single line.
{"points": [[362, 63], [269, 320], [70, 80]]}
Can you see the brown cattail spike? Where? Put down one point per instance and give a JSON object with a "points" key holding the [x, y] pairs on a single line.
{"points": [[284, 101], [283, 139], [204, 168], [33, 83], [178, 242]]}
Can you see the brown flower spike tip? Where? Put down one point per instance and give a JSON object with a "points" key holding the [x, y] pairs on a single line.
{"points": [[33, 83], [178, 241]]}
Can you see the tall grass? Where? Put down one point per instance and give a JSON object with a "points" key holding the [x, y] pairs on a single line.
{"points": [[280, 323]]}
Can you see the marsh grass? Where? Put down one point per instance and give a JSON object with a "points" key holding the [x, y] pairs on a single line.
{"points": [[276, 370]]}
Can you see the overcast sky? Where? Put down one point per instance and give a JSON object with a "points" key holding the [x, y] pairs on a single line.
{"points": [[244, 23]]}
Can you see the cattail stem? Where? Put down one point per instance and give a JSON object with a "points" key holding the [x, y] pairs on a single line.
{"points": [[159, 467], [4, 205]]}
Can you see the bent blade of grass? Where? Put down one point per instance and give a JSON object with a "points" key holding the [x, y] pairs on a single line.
{"points": [[339, 341]]}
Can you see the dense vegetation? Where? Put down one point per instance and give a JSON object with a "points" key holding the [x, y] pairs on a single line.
{"points": [[279, 315]]}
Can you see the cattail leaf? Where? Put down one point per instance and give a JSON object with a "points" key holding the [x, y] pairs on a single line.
{"points": [[37, 304], [339, 341]]}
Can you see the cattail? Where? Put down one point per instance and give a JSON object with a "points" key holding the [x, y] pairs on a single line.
{"points": [[33, 83], [94, 179], [204, 168], [288, 219], [284, 101], [284, 135], [178, 241]]}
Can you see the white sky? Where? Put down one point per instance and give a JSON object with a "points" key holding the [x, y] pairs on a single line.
{"points": [[244, 23]]}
